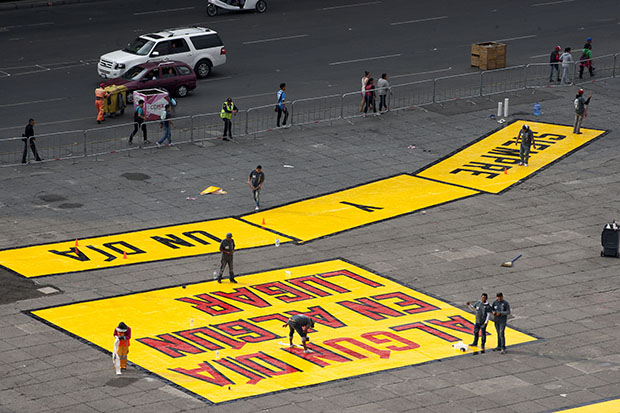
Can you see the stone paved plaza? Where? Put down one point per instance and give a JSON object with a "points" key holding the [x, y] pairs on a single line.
{"points": [[561, 290]]}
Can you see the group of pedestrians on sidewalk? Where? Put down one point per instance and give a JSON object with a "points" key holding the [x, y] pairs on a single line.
{"points": [[565, 61], [370, 92]]}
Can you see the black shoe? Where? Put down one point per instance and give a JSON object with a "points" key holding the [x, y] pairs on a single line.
{"points": [[219, 281], [473, 345], [99, 122], [23, 161], [130, 143], [233, 281], [496, 349], [147, 141], [39, 159], [225, 138]]}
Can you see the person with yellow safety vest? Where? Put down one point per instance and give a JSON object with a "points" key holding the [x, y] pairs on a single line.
{"points": [[100, 96], [228, 109]]}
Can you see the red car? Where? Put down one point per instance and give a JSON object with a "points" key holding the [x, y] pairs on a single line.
{"points": [[175, 77]]}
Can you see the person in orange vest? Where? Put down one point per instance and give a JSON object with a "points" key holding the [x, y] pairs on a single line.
{"points": [[121, 348], [100, 96]]}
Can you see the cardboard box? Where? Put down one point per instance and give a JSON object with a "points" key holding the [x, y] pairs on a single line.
{"points": [[488, 55]]}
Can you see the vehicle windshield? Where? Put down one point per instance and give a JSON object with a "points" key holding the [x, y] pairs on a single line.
{"points": [[140, 46], [134, 73]]}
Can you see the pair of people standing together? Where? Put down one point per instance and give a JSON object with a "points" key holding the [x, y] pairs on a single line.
{"points": [[500, 310]]}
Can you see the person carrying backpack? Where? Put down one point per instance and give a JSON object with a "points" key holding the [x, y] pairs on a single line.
{"points": [[139, 117], [586, 60], [554, 62], [581, 104]]}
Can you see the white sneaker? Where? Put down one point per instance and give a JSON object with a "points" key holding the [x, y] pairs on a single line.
{"points": [[524, 164], [520, 163], [158, 145], [256, 208]]}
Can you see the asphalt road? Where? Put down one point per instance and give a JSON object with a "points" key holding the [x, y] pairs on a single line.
{"points": [[49, 55]]}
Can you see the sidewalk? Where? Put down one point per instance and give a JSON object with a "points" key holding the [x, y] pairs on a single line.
{"points": [[561, 290]]}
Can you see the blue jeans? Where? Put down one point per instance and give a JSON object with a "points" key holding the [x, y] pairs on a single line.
{"points": [[167, 135], [500, 326], [556, 67]]}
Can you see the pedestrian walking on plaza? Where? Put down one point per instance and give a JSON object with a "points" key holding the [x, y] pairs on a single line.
{"points": [[138, 118], [383, 87], [28, 138], [364, 83], [227, 248], [501, 310], [100, 96], [281, 105], [526, 138], [166, 124], [122, 335], [228, 110], [586, 60], [581, 110], [370, 97], [567, 62], [483, 314], [255, 182], [301, 324], [554, 62]]}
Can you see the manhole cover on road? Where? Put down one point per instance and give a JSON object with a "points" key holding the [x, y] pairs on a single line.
{"points": [[51, 198], [135, 176], [70, 205]]}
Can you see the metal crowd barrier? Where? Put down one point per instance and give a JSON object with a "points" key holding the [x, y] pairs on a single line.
{"points": [[206, 127]]}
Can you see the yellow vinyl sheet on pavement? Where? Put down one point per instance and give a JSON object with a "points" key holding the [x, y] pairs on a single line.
{"points": [[361, 205], [227, 341], [491, 164], [148, 245]]}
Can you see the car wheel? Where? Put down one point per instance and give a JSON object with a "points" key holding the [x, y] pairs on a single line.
{"points": [[203, 68], [261, 6], [211, 10], [129, 97], [182, 91]]}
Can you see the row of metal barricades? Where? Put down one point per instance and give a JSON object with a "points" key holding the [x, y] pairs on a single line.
{"points": [[202, 129]]}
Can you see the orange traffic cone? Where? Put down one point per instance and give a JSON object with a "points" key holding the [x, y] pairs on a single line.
{"points": [[263, 221], [124, 255], [76, 246], [505, 171], [76, 242]]}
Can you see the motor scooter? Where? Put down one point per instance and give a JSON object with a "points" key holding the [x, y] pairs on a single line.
{"points": [[235, 5]]}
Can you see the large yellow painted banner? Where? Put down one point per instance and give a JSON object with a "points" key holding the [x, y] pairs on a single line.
{"points": [[226, 341], [609, 406], [491, 164]]}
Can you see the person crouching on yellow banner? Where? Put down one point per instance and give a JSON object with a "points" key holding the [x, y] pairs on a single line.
{"points": [[122, 335], [100, 95], [301, 324]]}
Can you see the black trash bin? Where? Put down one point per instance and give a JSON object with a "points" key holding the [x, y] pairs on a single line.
{"points": [[610, 239]]}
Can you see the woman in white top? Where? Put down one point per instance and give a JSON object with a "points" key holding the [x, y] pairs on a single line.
{"points": [[364, 82]]}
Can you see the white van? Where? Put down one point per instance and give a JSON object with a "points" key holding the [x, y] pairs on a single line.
{"points": [[199, 47]]}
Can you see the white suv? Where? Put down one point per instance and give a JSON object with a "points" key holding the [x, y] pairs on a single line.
{"points": [[198, 47]]}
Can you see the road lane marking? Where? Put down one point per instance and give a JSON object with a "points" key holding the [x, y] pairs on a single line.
{"points": [[274, 39], [419, 20], [254, 96], [491, 164], [216, 79], [32, 102], [5, 28], [221, 342], [529, 36], [364, 59], [549, 3], [422, 73], [163, 11], [48, 123], [539, 56], [350, 5]]}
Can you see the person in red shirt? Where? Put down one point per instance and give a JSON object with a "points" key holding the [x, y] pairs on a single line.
{"points": [[123, 332]]}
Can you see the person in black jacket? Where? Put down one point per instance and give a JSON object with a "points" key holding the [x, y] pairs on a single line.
{"points": [[554, 62], [501, 311], [29, 139]]}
